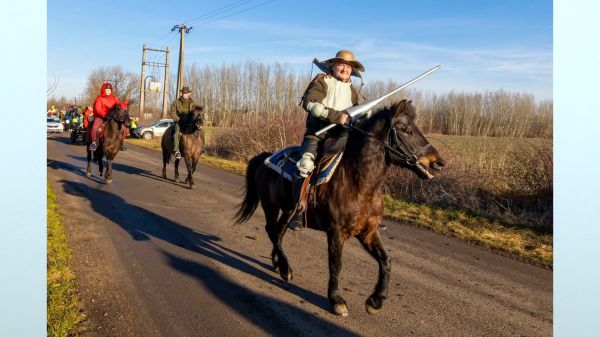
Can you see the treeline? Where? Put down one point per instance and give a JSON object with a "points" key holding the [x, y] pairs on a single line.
{"points": [[230, 91]]}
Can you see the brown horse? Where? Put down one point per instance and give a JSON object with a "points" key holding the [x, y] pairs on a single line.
{"points": [[110, 144], [190, 145], [350, 204]]}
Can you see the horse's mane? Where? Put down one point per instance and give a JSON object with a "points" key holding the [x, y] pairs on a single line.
{"points": [[118, 114]]}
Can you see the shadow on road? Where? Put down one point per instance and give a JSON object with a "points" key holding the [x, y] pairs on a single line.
{"points": [[274, 316], [143, 224], [132, 170]]}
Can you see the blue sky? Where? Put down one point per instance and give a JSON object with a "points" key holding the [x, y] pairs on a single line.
{"points": [[481, 45]]}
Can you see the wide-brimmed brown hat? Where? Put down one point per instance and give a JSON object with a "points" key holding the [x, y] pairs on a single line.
{"points": [[344, 56], [185, 90]]}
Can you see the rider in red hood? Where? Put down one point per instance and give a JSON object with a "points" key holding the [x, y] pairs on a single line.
{"points": [[103, 104]]}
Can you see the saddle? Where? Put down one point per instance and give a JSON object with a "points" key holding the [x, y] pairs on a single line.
{"points": [[284, 163]]}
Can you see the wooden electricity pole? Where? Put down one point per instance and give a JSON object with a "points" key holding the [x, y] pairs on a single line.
{"points": [[182, 28]]}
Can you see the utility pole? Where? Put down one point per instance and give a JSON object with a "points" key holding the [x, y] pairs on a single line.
{"points": [[143, 79], [182, 28], [166, 86], [142, 82]]}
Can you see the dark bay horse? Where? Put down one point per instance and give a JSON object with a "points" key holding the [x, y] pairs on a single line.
{"points": [[110, 144], [350, 204], [190, 145]]}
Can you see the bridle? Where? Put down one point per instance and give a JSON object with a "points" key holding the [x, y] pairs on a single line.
{"points": [[397, 149]]}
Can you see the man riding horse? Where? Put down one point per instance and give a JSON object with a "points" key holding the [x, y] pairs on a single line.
{"points": [[180, 108], [325, 99]]}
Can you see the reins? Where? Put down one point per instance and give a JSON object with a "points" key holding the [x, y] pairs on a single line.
{"points": [[399, 148]]}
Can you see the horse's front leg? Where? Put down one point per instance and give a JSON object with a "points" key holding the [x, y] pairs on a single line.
{"points": [[188, 165], [335, 244], [374, 246], [177, 170], [108, 175]]}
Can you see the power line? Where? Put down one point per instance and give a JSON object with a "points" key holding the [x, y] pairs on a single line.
{"points": [[238, 12], [219, 11]]}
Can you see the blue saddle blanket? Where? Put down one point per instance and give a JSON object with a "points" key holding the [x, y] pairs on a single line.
{"points": [[284, 163]]}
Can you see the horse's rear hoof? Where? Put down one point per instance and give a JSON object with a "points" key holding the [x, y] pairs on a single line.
{"points": [[340, 310], [373, 306], [108, 181], [371, 310], [286, 276], [88, 174]]}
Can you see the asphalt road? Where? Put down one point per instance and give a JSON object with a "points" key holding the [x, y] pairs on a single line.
{"points": [[154, 258]]}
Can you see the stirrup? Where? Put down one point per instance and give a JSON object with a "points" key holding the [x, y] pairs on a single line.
{"points": [[177, 155], [93, 146]]}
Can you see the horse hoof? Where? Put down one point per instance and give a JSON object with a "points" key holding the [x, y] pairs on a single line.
{"points": [[340, 310], [108, 181], [373, 306], [192, 187], [88, 174], [286, 277], [371, 310], [276, 269]]}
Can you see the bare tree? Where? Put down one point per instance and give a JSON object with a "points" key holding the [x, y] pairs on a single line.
{"points": [[125, 84]]}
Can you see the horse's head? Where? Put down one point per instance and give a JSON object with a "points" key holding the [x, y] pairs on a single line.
{"points": [[197, 117], [119, 113], [410, 148]]}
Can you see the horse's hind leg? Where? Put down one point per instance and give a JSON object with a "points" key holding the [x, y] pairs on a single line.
{"points": [[335, 244], [166, 157], [374, 246], [276, 229], [88, 170], [99, 156]]}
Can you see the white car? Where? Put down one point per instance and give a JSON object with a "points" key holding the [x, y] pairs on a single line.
{"points": [[53, 124], [154, 129]]}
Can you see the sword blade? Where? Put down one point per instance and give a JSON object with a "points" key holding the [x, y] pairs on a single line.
{"points": [[357, 110]]}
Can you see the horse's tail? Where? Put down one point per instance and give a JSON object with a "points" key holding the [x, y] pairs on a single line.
{"points": [[251, 199]]}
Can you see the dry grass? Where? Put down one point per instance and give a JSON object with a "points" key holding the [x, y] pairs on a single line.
{"points": [[237, 167], [62, 312], [532, 246]]}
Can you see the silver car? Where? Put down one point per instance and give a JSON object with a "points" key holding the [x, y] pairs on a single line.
{"points": [[153, 129], [53, 124]]}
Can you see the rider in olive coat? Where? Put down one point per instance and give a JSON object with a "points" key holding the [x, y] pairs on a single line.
{"points": [[179, 110]]}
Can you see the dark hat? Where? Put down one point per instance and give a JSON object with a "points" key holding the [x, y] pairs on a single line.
{"points": [[185, 90]]}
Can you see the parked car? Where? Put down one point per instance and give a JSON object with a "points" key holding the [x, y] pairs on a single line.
{"points": [[154, 129], [54, 124]]}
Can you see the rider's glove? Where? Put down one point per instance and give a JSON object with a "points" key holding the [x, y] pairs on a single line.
{"points": [[306, 164]]}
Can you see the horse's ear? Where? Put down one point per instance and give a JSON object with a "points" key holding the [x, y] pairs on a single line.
{"points": [[400, 107]]}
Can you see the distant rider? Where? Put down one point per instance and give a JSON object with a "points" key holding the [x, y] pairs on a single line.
{"points": [[105, 102], [180, 109]]}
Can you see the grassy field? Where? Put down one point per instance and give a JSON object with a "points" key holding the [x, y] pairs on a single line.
{"points": [[486, 153], [62, 312]]}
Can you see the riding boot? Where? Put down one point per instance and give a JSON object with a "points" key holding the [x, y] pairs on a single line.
{"points": [[297, 222], [176, 141]]}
